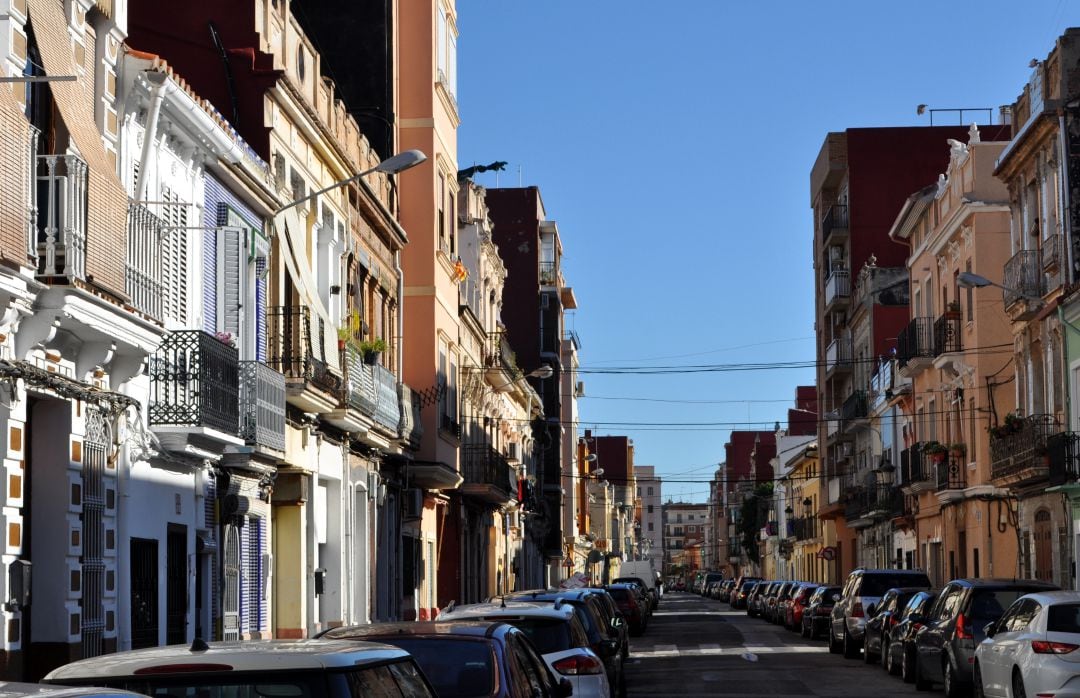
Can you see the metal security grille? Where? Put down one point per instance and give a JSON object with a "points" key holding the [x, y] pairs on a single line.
{"points": [[230, 598], [93, 546], [144, 593]]}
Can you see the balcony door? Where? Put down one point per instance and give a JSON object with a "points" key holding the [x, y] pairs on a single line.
{"points": [[1043, 533]]}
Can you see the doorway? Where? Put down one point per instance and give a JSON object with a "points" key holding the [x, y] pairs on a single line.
{"points": [[144, 593], [176, 573], [1043, 534]]}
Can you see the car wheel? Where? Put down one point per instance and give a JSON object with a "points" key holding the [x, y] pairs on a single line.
{"points": [[806, 631], [907, 666], [954, 688], [976, 677], [891, 666], [834, 646], [921, 684], [867, 655], [1018, 685], [851, 651]]}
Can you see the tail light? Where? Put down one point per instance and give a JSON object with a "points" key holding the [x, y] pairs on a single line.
{"points": [[578, 665], [963, 632], [1044, 647], [916, 626], [856, 610]]}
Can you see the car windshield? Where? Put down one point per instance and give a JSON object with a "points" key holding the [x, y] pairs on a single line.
{"points": [[990, 604], [548, 634], [1063, 618], [878, 584], [454, 666]]}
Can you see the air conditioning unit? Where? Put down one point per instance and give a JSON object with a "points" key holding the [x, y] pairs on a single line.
{"points": [[413, 504]]}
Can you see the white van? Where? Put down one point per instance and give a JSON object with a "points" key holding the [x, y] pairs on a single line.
{"points": [[643, 569]]}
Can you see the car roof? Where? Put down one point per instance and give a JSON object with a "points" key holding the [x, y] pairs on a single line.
{"points": [[474, 628], [1005, 583], [886, 571], [15, 689], [1049, 598], [250, 655], [509, 609]]}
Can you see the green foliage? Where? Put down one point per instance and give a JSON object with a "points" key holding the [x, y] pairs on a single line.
{"points": [[376, 345], [753, 515]]}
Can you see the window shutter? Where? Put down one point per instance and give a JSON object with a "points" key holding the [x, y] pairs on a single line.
{"points": [[229, 280], [260, 309]]}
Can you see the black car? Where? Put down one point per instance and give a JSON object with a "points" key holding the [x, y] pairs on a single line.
{"points": [[725, 589], [756, 597], [607, 634], [815, 618], [945, 648], [630, 605], [650, 594], [900, 657], [883, 617], [740, 592]]}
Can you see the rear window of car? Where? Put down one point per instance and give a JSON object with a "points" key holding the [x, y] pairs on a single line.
{"points": [[878, 584], [455, 667], [621, 594], [990, 604], [1063, 618], [747, 586], [547, 634]]}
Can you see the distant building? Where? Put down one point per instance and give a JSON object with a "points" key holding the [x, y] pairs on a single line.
{"points": [[685, 531], [650, 513]]}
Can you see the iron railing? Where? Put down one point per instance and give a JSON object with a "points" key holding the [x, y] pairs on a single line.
{"points": [[194, 381], [61, 198], [916, 340], [855, 406], [951, 473], [483, 465], [1063, 456], [1053, 252], [142, 271], [549, 274], [1023, 277], [449, 425], [947, 333], [411, 429], [358, 391], [837, 285], [806, 527], [838, 354], [915, 465], [387, 405], [297, 347], [855, 503], [498, 353], [262, 405], [836, 219], [1020, 444]]}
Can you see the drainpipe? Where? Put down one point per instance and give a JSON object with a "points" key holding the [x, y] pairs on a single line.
{"points": [[157, 95], [1064, 207], [400, 317]]}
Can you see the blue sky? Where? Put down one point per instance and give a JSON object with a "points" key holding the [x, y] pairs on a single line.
{"points": [[672, 142]]}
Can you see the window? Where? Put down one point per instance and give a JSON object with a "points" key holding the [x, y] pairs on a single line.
{"points": [[649, 508], [174, 258], [650, 525], [649, 491]]}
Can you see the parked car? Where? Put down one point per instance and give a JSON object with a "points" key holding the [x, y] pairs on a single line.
{"points": [[460, 658], [651, 592], [1032, 649], [773, 599], [644, 570], [882, 619], [862, 589], [598, 612], [783, 600], [329, 669], [755, 602], [644, 594], [799, 600], [815, 619], [710, 577], [14, 689], [557, 634], [945, 648], [630, 606], [900, 657], [725, 589], [741, 591]]}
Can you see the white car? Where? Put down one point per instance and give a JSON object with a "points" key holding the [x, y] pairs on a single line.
{"points": [[556, 632], [1033, 649]]}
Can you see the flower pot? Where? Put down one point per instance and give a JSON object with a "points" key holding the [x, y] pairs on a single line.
{"points": [[937, 457], [371, 358], [341, 345]]}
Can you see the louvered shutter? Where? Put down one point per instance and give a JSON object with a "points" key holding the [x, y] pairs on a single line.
{"points": [[230, 280], [260, 309]]}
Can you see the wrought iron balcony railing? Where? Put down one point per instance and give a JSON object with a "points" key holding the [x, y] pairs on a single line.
{"points": [[855, 406], [838, 354], [915, 465], [483, 465], [806, 527], [856, 504], [412, 429], [947, 333], [194, 382], [915, 341], [262, 405], [498, 353], [951, 473], [1020, 444], [297, 347], [835, 220], [837, 285], [142, 272], [1063, 457], [358, 391], [449, 425], [61, 199], [549, 274], [1023, 277]]}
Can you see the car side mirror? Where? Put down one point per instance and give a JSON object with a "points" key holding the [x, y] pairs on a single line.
{"points": [[990, 629], [836, 598], [566, 689]]}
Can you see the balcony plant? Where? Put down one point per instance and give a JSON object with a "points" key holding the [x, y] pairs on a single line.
{"points": [[936, 451], [953, 308], [958, 451], [371, 350]]}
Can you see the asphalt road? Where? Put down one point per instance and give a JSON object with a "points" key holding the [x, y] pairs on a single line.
{"points": [[700, 647]]}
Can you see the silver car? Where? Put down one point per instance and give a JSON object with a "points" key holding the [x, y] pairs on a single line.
{"points": [[862, 592]]}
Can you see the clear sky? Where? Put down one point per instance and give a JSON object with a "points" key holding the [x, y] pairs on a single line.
{"points": [[672, 142]]}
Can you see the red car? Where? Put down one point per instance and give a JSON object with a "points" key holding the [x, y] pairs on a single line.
{"points": [[799, 601], [626, 599]]}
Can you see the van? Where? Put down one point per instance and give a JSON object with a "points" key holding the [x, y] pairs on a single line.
{"points": [[645, 570]]}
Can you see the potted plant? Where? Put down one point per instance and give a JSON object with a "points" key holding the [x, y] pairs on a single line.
{"points": [[371, 350], [936, 451], [953, 308], [342, 337], [958, 451]]}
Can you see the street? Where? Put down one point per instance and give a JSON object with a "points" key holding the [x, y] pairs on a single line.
{"points": [[696, 646]]}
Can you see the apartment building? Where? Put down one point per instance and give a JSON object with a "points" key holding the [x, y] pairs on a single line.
{"points": [[685, 530], [650, 535]]}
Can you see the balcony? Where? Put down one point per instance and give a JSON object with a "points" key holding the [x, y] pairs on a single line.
{"points": [[837, 288], [412, 429], [500, 364], [855, 407], [1063, 457], [856, 506], [806, 528], [915, 347], [1018, 449], [1024, 281], [142, 271], [884, 501], [834, 226], [194, 390], [297, 350], [449, 425], [60, 188], [916, 470], [488, 475], [947, 333], [549, 274], [262, 407], [951, 473], [838, 356]]}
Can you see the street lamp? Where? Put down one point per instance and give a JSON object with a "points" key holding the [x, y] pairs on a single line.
{"points": [[968, 279], [391, 165]]}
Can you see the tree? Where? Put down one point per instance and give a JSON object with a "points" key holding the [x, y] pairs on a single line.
{"points": [[754, 515]]}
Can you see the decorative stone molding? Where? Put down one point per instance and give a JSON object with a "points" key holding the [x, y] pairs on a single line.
{"points": [[967, 235]]}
